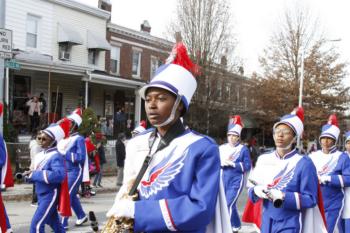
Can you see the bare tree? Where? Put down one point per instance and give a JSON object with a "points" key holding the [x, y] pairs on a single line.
{"points": [[206, 29], [278, 88]]}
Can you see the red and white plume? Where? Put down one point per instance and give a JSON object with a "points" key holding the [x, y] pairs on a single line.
{"points": [[143, 123], [332, 120], [76, 116], [180, 57]]}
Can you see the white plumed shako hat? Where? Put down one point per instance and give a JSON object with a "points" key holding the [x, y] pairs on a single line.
{"points": [[295, 120], [60, 130], [331, 129], [175, 76], [140, 128], [76, 116], [235, 126]]}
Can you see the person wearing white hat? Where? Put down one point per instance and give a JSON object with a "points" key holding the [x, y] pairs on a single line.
{"points": [[179, 189], [76, 157], [286, 182], [139, 129], [235, 163], [345, 221], [48, 174], [333, 168]]}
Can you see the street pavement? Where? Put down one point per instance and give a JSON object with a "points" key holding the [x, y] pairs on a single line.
{"points": [[17, 202]]}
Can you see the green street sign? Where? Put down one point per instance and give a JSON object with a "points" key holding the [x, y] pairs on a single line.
{"points": [[12, 64]]}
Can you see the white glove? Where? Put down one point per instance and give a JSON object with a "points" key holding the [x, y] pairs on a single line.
{"points": [[122, 208], [260, 191], [274, 194], [227, 162], [325, 179]]}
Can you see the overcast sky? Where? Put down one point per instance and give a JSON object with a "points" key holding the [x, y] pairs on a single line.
{"points": [[254, 21]]}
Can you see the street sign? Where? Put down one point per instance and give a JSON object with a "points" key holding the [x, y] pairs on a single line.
{"points": [[5, 40], [13, 64]]}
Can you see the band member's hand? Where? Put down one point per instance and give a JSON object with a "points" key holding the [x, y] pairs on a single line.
{"points": [[122, 208], [325, 179], [275, 194], [260, 191]]}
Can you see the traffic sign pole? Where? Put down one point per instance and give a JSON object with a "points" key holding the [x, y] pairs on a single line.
{"points": [[2, 60]]}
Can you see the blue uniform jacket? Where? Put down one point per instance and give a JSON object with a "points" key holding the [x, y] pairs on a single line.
{"points": [[180, 188], [49, 174], [76, 154], [297, 179]]}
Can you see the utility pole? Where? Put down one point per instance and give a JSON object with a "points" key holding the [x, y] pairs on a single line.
{"points": [[2, 63]]}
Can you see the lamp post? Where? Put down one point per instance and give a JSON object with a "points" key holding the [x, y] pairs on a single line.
{"points": [[300, 104]]}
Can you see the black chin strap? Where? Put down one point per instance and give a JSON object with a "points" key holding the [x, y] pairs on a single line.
{"points": [[175, 130]]}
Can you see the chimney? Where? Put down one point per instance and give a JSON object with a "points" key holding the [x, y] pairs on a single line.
{"points": [[145, 27], [241, 70], [105, 5]]}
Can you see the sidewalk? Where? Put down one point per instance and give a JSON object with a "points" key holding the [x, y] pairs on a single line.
{"points": [[23, 191]]}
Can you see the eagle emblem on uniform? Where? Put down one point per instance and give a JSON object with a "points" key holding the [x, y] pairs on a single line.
{"points": [[161, 174], [281, 180], [328, 167]]}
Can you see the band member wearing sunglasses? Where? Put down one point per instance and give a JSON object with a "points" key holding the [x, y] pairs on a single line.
{"points": [[286, 182], [48, 175], [77, 166], [180, 187], [333, 170]]}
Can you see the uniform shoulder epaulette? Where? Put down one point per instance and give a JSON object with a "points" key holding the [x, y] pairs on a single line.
{"points": [[210, 139]]}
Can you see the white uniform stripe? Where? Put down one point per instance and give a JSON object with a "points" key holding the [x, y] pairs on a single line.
{"points": [[45, 177], [237, 195], [297, 200], [72, 157], [47, 211], [76, 180], [341, 181], [166, 215], [300, 223], [241, 164]]}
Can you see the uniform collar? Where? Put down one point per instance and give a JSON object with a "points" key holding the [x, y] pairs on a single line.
{"points": [[286, 156], [332, 150], [50, 150]]}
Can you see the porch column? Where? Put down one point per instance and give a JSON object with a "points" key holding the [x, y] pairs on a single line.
{"points": [[137, 108], [86, 93]]}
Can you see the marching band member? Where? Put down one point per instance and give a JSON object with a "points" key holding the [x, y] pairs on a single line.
{"points": [[286, 182], [74, 150], [49, 175], [345, 221], [180, 187], [6, 180], [235, 163], [333, 168]]}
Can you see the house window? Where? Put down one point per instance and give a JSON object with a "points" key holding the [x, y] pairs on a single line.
{"points": [[228, 92], [64, 51], [32, 31], [237, 94], [219, 88], [92, 56], [155, 63], [115, 59], [136, 63]]}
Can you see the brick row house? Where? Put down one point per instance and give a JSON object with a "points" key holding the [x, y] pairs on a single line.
{"points": [[75, 56]]}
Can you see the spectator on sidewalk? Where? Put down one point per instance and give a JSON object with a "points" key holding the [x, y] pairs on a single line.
{"points": [[34, 112], [102, 158], [120, 156]]}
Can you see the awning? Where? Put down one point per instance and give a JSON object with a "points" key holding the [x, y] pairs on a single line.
{"points": [[69, 35], [114, 81], [95, 41]]}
